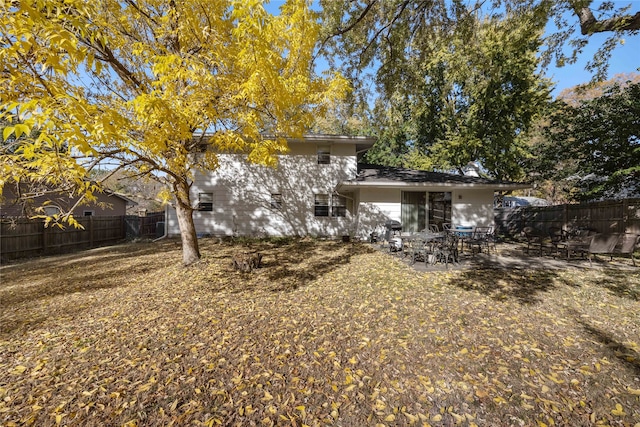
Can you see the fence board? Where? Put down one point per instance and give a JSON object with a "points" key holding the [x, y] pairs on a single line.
{"points": [[143, 226], [604, 216], [25, 238]]}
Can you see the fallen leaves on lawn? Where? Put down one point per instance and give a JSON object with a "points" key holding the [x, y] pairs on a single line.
{"points": [[324, 333]]}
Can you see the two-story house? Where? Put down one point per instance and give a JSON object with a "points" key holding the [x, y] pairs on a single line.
{"points": [[320, 189]]}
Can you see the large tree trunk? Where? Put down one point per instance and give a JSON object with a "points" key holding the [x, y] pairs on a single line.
{"points": [[184, 211], [190, 250]]}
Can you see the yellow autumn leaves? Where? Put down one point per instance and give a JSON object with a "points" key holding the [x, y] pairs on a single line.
{"points": [[306, 340], [133, 82]]}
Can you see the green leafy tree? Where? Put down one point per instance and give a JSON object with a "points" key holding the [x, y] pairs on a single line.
{"points": [[156, 87], [594, 148], [366, 33], [471, 101], [421, 56]]}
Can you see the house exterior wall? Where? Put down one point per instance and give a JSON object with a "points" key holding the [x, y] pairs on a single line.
{"points": [[472, 207], [377, 205], [242, 194], [469, 207], [241, 202]]}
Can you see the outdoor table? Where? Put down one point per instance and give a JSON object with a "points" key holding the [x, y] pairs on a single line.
{"points": [[576, 244], [415, 244], [464, 233]]}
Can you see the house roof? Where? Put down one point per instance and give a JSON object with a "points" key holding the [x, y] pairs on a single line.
{"points": [[362, 143], [374, 176], [129, 201]]}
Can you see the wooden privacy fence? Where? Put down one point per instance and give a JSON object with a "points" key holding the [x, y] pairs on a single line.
{"points": [[622, 216], [149, 226], [21, 237]]}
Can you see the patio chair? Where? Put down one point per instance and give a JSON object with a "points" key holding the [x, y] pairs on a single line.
{"points": [[479, 239], [627, 245], [433, 228], [577, 242], [448, 250], [417, 249], [602, 244], [557, 236], [534, 237], [492, 240]]}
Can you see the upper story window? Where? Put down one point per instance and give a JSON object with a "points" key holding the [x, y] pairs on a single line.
{"points": [[276, 201], [205, 202], [324, 154]]}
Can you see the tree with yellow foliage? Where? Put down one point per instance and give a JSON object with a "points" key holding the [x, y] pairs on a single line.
{"points": [[157, 87]]}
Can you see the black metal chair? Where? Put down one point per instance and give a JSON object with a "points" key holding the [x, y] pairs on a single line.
{"points": [[479, 239]]}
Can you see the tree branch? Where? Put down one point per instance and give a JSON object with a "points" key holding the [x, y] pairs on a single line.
{"points": [[590, 25]]}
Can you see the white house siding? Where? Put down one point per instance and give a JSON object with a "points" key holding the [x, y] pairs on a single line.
{"points": [[469, 207], [375, 207], [472, 207], [242, 195]]}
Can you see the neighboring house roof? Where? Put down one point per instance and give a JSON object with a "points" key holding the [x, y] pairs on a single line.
{"points": [[10, 205], [389, 177], [130, 202]]}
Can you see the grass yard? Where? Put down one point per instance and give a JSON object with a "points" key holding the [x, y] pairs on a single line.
{"points": [[324, 333]]}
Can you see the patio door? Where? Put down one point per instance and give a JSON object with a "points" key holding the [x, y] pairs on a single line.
{"points": [[413, 213], [439, 208]]}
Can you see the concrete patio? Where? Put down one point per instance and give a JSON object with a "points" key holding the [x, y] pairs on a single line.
{"points": [[514, 256]]}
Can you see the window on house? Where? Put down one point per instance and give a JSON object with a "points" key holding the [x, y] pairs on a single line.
{"points": [[205, 202], [321, 205], [88, 213], [338, 206], [324, 155], [276, 201]]}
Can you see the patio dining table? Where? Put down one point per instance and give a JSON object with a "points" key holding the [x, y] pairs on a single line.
{"points": [[420, 243], [464, 233]]}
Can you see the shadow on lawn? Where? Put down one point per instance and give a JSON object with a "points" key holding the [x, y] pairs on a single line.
{"points": [[287, 266], [619, 283], [312, 263], [65, 274], [614, 349], [521, 285]]}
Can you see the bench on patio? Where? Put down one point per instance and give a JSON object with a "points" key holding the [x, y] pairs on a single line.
{"points": [[613, 244]]}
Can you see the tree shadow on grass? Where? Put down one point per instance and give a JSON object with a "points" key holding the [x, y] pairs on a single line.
{"points": [[524, 286], [621, 284], [290, 265], [614, 349], [26, 284]]}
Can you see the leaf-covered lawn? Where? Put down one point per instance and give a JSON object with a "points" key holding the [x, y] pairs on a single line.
{"points": [[324, 333]]}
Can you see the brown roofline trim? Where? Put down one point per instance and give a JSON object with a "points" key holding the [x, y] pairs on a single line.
{"points": [[421, 185]]}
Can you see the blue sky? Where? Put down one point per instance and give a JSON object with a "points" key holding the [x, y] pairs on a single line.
{"points": [[625, 58]]}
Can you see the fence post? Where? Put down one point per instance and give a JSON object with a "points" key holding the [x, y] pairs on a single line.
{"points": [[565, 216], [44, 237], [625, 214], [91, 231]]}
